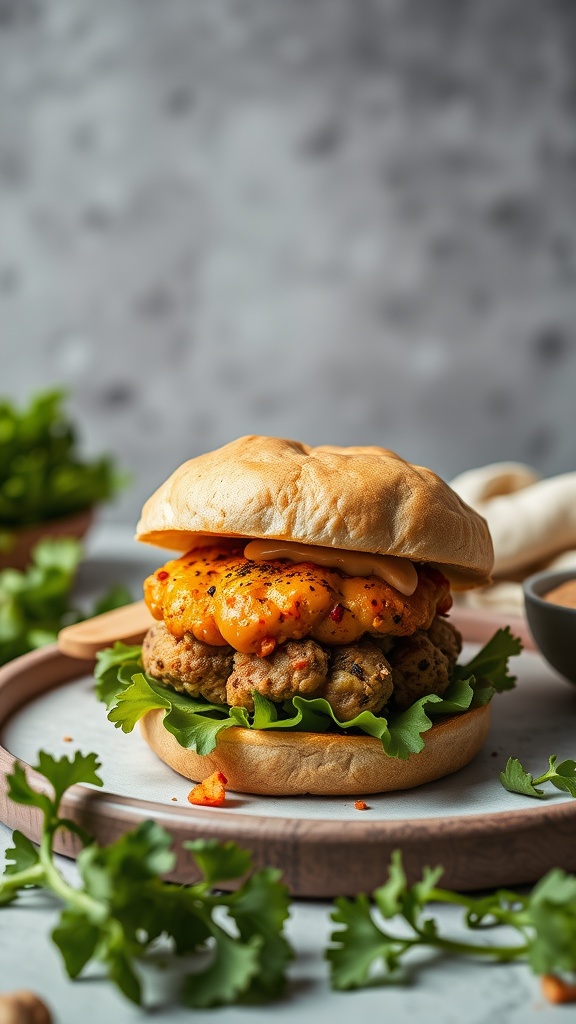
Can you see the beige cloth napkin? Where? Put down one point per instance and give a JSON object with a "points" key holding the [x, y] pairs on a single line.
{"points": [[532, 522]]}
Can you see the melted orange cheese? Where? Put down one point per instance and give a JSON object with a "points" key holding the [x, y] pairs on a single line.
{"points": [[221, 597]]}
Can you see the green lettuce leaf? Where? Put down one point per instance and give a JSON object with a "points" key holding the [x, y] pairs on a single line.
{"points": [[193, 721], [130, 693], [491, 663]]}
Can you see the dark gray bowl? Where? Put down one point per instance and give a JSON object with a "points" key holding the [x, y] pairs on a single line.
{"points": [[552, 626]]}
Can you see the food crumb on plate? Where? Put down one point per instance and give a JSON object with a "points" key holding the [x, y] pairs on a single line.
{"points": [[211, 792], [67, 739], [361, 805]]}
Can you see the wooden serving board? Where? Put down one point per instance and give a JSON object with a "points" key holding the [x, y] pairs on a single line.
{"points": [[482, 835]]}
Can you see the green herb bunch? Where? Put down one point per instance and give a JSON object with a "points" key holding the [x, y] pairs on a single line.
{"points": [[124, 913], [35, 604], [42, 476]]}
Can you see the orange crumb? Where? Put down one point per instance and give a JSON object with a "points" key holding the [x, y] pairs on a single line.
{"points": [[67, 739], [556, 990], [361, 805], [210, 792]]}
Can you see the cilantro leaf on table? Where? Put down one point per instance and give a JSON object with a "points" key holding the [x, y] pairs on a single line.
{"points": [[562, 776], [130, 693], [516, 779], [360, 946], [109, 872], [22, 855], [229, 975], [123, 908], [367, 949], [260, 908], [552, 912], [77, 939], [42, 474], [218, 862], [37, 603], [65, 772]]}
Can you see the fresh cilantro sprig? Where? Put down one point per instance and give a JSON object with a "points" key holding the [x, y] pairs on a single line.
{"points": [[35, 604], [130, 693], [123, 911], [516, 779], [42, 475], [365, 952]]}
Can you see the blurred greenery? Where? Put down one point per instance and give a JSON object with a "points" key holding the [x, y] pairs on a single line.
{"points": [[35, 604], [42, 476]]}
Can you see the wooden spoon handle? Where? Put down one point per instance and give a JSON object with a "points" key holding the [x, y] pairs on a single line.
{"points": [[84, 639]]}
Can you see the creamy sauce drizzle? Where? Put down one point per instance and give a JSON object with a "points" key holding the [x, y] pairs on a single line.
{"points": [[397, 572]]}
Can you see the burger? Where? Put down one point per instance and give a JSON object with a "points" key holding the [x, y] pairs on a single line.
{"points": [[301, 643]]}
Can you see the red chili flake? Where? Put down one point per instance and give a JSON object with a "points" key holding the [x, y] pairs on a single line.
{"points": [[361, 805], [337, 613], [162, 575]]}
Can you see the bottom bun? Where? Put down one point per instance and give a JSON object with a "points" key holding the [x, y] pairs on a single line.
{"points": [[277, 763]]}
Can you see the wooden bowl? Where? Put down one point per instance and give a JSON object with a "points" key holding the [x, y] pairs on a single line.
{"points": [[25, 538]]}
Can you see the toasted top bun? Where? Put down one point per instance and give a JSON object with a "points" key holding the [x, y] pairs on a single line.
{"points": [[359, 499]]}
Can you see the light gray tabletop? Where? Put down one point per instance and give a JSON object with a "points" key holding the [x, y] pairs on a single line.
{"points": [[444, 990]]}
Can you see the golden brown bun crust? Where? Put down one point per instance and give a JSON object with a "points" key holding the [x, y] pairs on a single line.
{"points": [[360, 499], [278, 763]]}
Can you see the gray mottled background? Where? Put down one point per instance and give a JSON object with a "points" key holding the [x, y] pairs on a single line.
{"points": [[346, 221]]}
